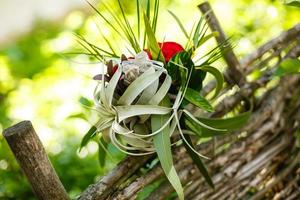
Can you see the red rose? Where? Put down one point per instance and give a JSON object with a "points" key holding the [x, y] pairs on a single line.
{"points": [[170, 49]]}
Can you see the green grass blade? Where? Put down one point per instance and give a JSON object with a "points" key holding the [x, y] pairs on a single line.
{"points": [[207, 37], [127, 36], [90, 51], [179, 24], [148, 17], [135, 43], [152, 42], [106, 40], [155, 15], [197, 32], [138, 14], [95, 48]]}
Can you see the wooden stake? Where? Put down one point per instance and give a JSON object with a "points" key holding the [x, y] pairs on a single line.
{"points": [[32, 158], [234, 73]]}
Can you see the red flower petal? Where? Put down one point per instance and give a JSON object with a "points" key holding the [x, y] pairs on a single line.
{"points": [[170, 49]]}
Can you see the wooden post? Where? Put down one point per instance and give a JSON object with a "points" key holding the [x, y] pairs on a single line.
{"points": [[31, 156], [234, 73]]}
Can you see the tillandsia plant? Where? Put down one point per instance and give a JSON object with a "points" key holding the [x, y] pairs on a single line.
{"points": [[142, 99]]}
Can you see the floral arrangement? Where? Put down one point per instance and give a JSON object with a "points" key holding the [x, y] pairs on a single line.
{"points": [[142, 100]]}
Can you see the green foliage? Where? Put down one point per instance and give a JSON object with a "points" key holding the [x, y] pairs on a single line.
{"points": [[152, 42], [179, 23], [198, 100], [221, 125], [102, 149], [218, 76], [292, 3], [288, 66], [197, 160], [88, 136]]}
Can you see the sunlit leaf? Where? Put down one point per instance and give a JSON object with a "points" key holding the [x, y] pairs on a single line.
{"points": [[88, 136], [134, 42], [288, 66], [228, 124], [102, 145], [207, 37], [292, 3], [179, 24], [152, 42], [155, 15], [198, 100], [218, 76]]}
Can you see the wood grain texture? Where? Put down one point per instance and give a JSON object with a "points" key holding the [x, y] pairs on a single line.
{"points": [[32, 158]]}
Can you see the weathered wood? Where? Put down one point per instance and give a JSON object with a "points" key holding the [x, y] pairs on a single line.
{"points": [[234, 73], [102, 189], [281, 40], [31, 156]]}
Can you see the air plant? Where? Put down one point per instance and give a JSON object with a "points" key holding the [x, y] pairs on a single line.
{"points": [[142, 100]]}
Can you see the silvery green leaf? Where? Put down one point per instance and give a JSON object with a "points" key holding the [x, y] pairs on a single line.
{"points": [[120, 129], [137, 86], [159, 95], [137, 142], [123, 148], [110, 89], [124, 112], [190, 116], [148, 93], [162, 145], [104, 123], [162, 91]]}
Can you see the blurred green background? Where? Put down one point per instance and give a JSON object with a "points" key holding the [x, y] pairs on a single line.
{"points": [[39, 82]]}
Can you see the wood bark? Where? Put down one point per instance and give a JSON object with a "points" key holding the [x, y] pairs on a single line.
{"points": [[31, 156]]}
